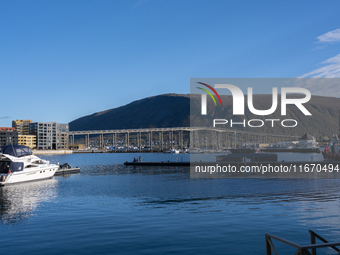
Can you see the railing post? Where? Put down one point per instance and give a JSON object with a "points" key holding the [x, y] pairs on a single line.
{"points": [[268, 248], [312, 241]]}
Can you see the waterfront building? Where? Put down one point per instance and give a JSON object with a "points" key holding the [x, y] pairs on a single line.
{"points": [[62, 136], [22, 126], [28, 140], [50, 135], [8, 135], [46, 135]]}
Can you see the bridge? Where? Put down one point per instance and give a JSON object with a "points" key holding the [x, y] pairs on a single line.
{"points": [[176, 137]]}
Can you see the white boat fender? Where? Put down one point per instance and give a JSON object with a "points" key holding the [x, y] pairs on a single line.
{"points": [[3, 178]]}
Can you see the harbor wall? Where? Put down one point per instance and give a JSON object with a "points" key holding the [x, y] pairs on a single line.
{"points": [[36, 152]]}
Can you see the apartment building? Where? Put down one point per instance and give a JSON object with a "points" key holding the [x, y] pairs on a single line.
{"points": [[22, 126], [28, 140], [46, 133], [50, 135], [62, 136]]}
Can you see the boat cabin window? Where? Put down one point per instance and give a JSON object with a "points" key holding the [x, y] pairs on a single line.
{"points": [[29, 166]]}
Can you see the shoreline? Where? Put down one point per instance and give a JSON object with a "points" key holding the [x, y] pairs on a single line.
{"points": [[37, 152]]}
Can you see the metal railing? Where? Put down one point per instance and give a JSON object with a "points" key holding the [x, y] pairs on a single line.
{"points": [[309, 249]]}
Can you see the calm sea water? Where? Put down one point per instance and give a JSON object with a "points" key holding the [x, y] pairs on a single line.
{"points": [[112, 209]]}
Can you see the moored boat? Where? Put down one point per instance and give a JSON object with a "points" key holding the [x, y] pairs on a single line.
{"points": [[17, 164]]}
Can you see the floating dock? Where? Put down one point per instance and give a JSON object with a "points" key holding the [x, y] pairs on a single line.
{"points": [[160, 163], [67, 171]]}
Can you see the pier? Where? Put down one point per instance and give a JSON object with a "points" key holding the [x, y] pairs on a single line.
{"points": [[65, 171], [161, 163], [166, 139]]}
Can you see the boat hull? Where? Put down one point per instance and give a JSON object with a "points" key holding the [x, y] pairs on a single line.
{"points": [[33, 174]]}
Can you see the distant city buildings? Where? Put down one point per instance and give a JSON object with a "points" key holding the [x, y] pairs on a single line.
{"points": [[8, 135], [36, 135]]}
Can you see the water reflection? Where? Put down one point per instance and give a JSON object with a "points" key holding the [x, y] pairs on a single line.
{"points": [[19, 201]]}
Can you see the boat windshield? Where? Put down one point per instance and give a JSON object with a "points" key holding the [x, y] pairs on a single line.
{"points": [[15, 150]]}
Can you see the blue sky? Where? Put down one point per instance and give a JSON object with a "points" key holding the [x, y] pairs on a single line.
{"points": [[61, 60]]}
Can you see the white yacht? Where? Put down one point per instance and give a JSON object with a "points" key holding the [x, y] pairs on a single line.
{"points": [[17, 164]]}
